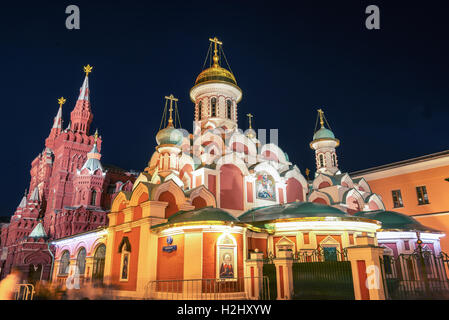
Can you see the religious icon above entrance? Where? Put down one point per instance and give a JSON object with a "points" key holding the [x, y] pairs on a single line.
{"points": [[265, 187]]}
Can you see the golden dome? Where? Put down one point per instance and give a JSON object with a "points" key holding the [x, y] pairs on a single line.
{"points": [[216, 73]]}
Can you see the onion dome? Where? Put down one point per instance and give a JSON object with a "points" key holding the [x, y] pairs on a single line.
{"points": [[292, 210], [214, 74], [169, 135], [323, 133], [394, 221]]}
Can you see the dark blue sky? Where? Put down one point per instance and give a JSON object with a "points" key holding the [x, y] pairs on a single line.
{"points": [[384, 92]]}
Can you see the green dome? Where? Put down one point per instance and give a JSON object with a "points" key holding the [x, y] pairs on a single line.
{"points": [[202, 214], [169, 135], [291, 210], [392, 220], [323, 133]]}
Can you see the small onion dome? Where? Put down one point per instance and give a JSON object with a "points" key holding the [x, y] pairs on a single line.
{"points": [[323, 133], [250, 133], [392, 220], [292, 210], [214, 74], [169, 135], [206, 214]]}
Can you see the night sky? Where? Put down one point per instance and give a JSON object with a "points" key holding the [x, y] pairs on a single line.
{"points": [[384, 92]]}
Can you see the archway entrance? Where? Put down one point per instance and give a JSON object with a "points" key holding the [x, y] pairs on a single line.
{"points": [[34, 273], [98, 266]]}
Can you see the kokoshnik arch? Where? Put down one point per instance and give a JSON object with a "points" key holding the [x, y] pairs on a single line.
{"points": [[209, 198]]}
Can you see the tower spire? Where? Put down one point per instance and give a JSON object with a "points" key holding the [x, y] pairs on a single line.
{"points": [[81, 116], [249, 115]]}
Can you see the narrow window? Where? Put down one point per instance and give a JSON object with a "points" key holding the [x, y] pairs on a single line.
{"points": [[228, 108], [397, 198], [423, 198], [334, 160], [64, 263], [93, 199], [200, 109], [213, 107], [321, 157], [81, 262]]}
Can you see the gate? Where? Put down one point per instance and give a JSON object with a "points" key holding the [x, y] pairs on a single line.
{"points": [[417, 276], [319, 274], [269, 271]]}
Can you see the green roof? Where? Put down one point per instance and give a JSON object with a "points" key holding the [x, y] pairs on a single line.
{"points": [[203, 214], [291, 210], [323, 133], [392, 220]]}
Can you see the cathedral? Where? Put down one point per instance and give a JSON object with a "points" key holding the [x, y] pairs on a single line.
{"points": [[207, 202]]}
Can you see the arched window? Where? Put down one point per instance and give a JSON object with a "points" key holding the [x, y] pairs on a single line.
{"points": [[93, 199], [200, 110], [334, 160], [321, 157], [228, 108], [213, 103], [98, 266], [64, 263], [81, 261]]}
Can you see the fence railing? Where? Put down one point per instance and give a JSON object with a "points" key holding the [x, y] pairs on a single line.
{"points": [[209, 289], [24, 291]]}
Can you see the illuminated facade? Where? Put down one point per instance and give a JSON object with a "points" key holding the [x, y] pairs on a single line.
{"points": [[208, 199]]}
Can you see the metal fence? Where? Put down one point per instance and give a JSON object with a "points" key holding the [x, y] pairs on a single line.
{"points": [[24, 291], [420, 275], [209, 289]]}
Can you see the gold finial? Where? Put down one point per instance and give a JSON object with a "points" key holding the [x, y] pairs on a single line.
{"points": [[88, 69], [171, 98], [307, 173], [249, 115], [215, 58], [61, 101], [96, 135], [321, 113]]}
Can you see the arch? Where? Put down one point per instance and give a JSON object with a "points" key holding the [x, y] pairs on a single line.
{"points": [[354, 201], [203, 193], [322, 181], [231, 187], [119, 202], [243, 143], [98, 263], [294, 190], [199, 202], [375, 202], [209, 137], [139, 194], [170, 186], [233, 159], [346, 181], [362, 185], [124, 244], [64, 262], [81, 261], [320, 197], [265, 166], [175, 178], [271, 148]]}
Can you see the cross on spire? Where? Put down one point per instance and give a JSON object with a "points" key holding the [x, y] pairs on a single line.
{"points": [[171, 98], [321, 113], [250, 116], [216, 42]]}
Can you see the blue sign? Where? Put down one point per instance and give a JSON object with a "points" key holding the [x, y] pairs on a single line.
{"points": [[170, 248], [169, 240]]}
